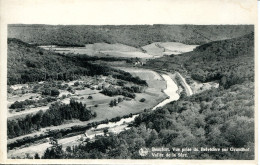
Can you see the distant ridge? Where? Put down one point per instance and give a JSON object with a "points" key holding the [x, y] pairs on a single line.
{"points": [[132, 35]]}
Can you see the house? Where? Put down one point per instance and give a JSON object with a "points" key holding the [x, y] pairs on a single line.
{"points": [[138, 63]]}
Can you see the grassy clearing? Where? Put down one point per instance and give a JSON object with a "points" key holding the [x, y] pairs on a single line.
{"points": [[126, 54], [167, 48], [98, 98], [15, 98], [152, 95], [198, 87], [31, 111], [102, 49], [127, 107], [144, 74], [153, 50], [111, 47], [177, 47], [153, 79]]}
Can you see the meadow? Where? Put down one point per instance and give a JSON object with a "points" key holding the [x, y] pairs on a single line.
{"points": [[153, 50]]}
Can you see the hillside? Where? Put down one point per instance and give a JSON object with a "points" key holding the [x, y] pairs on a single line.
{"points": [[231, 61], [213, 119], [216, 118], [132, 35], [29, 63]]}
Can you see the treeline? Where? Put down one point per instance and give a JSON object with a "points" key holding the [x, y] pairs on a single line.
{"points": [[64, 132], [125, 91], [128, 77], [55, 115], [229, 61], [28, 63], [27, 102], [96, 58], [132, 35], [220, 118], [112, 91]]}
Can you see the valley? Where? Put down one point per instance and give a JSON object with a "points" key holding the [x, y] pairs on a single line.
{"points": [[151, 51], [114, 127], [108, 94]]}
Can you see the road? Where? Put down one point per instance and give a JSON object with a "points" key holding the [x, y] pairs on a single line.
{"points": [[186, 86], [171, 91]]}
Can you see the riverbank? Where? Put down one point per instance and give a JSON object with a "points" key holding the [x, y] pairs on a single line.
{"points": [[171, 91]]}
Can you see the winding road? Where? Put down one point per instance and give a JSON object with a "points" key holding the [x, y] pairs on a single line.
{"points": [[186, 86], [171, 91]]}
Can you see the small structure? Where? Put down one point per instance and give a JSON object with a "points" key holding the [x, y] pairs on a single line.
{"points": [[53, 141], [138, 63]]}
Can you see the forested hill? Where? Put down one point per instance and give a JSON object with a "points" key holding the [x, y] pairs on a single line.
{"points": [[132, 35], [29, 63], [231, 61]]}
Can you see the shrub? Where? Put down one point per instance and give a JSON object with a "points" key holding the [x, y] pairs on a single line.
{"points": [[142, 100], [76, 83], [55, 92]]}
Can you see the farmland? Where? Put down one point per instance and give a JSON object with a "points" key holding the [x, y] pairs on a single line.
{"points": [[87, 90], [153, 79], [159, 49], [101, 50], [98, 101], [154, 50]]}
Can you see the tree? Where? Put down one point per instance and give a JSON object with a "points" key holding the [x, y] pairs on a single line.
{"points": [[111, 104], [46, 154], [55, 92], [119, 99], [142, 100], [105, 131], [68, 149], [36, 156], [76, 83]]}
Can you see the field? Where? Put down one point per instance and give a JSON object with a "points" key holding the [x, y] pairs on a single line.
{"points": [[98, 103], [132, 106], [127, 54], [167, 48], [101, 50], [153, 79], [153, 50]]}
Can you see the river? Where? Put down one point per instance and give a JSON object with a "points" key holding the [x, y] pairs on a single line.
{"points": [[171, 91], [115, 127], [121, 125]]}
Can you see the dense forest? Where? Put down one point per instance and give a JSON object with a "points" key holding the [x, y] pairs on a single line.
{"points": [[132, 35], [28, 63], [221, 118], [55, 115], [230, 61]]}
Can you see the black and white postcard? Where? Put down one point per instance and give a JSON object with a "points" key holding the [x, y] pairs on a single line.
{"points": [[109, 82]]}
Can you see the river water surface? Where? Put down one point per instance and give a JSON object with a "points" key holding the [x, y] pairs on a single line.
{"points": [[171, 91], [115, 127]]}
